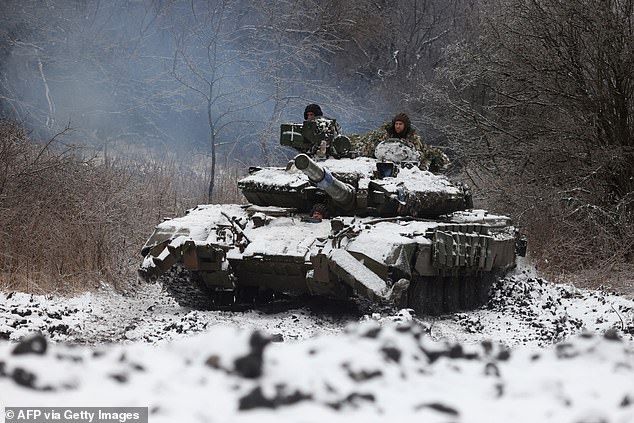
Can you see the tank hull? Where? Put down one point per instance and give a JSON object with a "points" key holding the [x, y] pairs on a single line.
{"points": [[432, 266]]}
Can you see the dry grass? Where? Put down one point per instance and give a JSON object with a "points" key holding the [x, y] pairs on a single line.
{"points": [[619, 278], [71, 224]]}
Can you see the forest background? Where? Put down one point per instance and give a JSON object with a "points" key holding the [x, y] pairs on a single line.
{"points": [[115, 114]]}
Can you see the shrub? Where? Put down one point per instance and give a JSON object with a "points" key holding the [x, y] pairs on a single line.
{"points": [[71, 223]]}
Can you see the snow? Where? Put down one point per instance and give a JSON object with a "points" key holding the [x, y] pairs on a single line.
{"points": [[360, 169], [385, 241], [199, 223], [480, 216], [415, 180], [297, 239], [293, 178], [396, 151], [207, 224], [361, 166], [538, 352], [351, 266]]}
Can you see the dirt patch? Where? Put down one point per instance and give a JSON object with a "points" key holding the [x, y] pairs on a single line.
{"points": [[618, 279]]}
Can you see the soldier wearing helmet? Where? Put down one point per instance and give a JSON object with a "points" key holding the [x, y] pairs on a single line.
{"points": [[312, 112]]}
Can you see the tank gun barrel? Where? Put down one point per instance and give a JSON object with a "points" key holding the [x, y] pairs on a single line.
{"points": [[342, 193]]}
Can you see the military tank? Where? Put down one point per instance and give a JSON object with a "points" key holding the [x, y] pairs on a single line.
{"points": [[340, 226]]}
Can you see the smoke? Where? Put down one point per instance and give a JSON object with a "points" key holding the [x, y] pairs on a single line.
{"points": [[149, 74]]}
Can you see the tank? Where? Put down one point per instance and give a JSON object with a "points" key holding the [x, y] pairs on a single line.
{"points": [[336, 225]]}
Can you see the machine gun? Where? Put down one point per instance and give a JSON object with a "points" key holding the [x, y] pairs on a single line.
{"points": [[319, 138]]}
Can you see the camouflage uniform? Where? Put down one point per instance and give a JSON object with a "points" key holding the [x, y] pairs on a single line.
{"points": [[431, 158]]}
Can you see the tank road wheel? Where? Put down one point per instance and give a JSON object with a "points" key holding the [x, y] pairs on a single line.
{"points": [[484, 287], [254, 295], [246, 294], [188, 289], [222, 299], [434, 295], [266, 296], [467, 293], [451, 293]]}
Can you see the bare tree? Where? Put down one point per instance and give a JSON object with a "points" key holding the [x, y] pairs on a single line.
{"points": [[295, 44], [208, 62], [543, 105], [84, 61], [251, 62], [391, 46]]}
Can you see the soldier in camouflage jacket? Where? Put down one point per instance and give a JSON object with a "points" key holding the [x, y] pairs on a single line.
{"points": [[431, 158]]}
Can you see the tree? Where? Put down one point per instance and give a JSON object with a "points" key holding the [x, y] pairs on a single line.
{"points": [[545, 100], [206, 63], [390, 47], [93, 63], [250, 61]]}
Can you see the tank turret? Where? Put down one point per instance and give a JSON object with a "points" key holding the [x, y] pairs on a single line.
{"points": [[389, 185], [393, 233]]}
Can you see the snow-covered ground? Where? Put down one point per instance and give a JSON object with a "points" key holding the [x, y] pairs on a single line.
{"points": [[538, 352]]}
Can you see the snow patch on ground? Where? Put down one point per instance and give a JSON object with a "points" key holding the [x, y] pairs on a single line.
{"points": [[369, 372], [536, 352]]}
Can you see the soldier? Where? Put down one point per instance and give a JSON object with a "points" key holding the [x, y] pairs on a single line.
{"points": [[402, 129], [431, 158], [312, 111], [319, 211], [322, 125]]}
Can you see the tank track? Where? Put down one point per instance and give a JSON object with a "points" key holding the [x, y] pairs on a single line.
{"points": [[448, 294], [188, 290], [430, 296], [180, 284]]}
